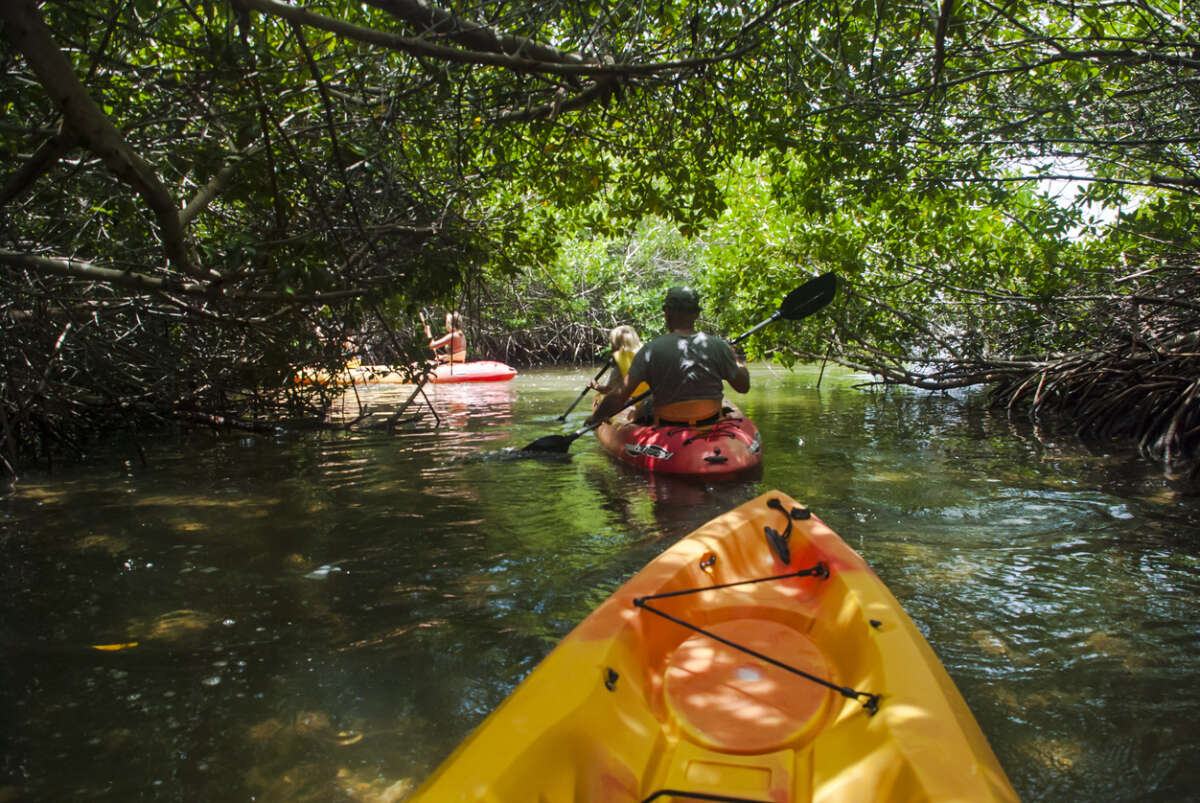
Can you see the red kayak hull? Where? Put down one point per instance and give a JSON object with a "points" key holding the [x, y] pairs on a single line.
{"points": [[730, 446], [477, 371]]}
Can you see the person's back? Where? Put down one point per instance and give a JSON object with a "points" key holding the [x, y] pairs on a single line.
{"points": [[684, 369]]}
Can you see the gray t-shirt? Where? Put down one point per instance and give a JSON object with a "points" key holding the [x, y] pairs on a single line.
{"points": [[684, 367]]}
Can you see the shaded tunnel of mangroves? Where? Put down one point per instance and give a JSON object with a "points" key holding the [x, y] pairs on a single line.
{"points": [[324, 616]]}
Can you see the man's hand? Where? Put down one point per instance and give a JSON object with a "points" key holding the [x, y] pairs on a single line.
{"points": [[739, 354]]}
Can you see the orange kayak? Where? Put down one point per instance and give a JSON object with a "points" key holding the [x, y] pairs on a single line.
{"points": [[758, 659]]}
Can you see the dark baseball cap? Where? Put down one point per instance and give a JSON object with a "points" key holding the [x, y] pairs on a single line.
{"points": [[684, 299]]}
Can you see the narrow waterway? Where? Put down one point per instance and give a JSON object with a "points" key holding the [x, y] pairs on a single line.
{"points": [[324, 616]]}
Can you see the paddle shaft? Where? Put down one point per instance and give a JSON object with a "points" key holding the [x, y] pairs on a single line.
{"points": [[583, 393], [588, 428], [747, 334]]}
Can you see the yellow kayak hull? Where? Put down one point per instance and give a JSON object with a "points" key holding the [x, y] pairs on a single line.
{"points": [[811, 686]]}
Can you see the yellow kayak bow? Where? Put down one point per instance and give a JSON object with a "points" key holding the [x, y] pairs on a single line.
{"points": [[758, 659]]}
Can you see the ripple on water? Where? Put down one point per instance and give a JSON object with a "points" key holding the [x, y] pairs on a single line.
{"points": [[399, 583]]}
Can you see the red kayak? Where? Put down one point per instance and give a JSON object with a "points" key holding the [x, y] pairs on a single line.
{"points": [[731, 445], [477, 371]]}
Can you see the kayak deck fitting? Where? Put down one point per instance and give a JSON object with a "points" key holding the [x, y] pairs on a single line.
{"points": [[758, 659]]}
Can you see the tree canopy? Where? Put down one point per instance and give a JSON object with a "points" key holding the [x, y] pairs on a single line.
{"points": [[199, 196]]}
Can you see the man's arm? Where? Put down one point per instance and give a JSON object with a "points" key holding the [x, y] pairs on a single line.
{"points": [[740, 381]]}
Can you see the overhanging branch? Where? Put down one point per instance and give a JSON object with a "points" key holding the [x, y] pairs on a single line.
{"points": [[416, 46], [81, 269], [25, 29]]}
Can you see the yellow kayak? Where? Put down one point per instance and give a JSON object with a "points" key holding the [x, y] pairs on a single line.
{"points": [[758, 659]]}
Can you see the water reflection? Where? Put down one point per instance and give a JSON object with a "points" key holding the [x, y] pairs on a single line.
{"points": [[677, 505], [461, 407], [326, 615]]}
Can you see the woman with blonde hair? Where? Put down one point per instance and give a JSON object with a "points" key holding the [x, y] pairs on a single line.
{"points": [[625, 346]]}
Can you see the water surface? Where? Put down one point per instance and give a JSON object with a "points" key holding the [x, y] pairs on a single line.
{"points": [[324, 616]]}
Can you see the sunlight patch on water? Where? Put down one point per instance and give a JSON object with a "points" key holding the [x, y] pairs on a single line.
{"points": [[362, 599]]}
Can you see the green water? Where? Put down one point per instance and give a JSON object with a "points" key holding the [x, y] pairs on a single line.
{"points": [[325, 616]]}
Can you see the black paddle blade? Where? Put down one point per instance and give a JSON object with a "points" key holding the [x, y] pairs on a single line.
{"points": [[809, 297], [551, 443]]}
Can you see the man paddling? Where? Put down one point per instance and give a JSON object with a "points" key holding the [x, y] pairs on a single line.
{"points": [[685, 369]]}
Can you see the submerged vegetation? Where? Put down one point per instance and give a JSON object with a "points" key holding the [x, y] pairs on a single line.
{"points": [[201, 197]]}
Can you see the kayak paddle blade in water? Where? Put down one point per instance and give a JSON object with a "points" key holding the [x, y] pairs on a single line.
{"points": [[560, 443], [553, 444]]}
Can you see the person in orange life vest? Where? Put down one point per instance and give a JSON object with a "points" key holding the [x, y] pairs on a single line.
{"points": [[454, 342], [685, 369]]}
